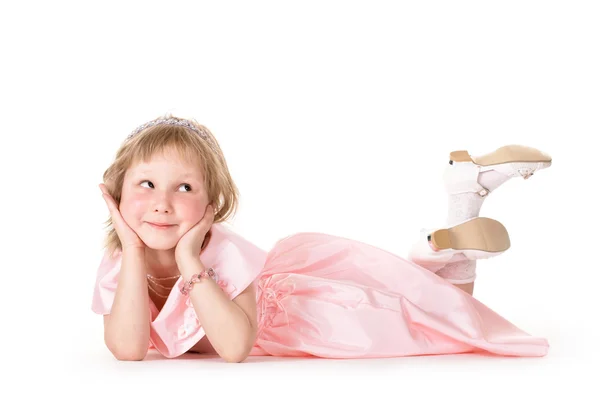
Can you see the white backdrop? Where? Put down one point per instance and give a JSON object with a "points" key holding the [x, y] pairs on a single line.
{"points": [[335, 117]]}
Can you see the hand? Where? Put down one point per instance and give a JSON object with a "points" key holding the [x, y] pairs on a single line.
{"points": [[190, 243], [129, 239]]}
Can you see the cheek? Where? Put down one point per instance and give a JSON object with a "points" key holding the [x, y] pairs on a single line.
{"points": [[133, 207], [193, 210]]}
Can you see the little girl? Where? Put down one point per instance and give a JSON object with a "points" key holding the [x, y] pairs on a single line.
{"points": [[175, 279]]}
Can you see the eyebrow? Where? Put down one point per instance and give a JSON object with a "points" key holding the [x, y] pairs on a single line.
{"points": [[183, 176]]}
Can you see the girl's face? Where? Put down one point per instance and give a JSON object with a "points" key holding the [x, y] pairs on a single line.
{"points": [[164, 191]]}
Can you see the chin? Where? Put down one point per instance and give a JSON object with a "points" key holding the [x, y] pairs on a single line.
{"points": [[158, 247], [159, 244]]}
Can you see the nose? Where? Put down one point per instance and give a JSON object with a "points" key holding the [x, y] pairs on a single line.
{"points": [[162, 203]]}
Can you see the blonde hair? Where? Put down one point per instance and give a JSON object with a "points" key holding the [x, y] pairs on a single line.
{"points": [[141, 147]]}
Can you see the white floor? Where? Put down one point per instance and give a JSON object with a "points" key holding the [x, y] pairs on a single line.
{"points": [[70, 358], [569, 370]]}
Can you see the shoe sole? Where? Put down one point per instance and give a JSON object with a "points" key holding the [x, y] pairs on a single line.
{"points": [[506, 154], [480, 234]]}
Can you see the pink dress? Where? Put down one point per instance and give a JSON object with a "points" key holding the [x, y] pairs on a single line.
{"points": [[327, 296]]}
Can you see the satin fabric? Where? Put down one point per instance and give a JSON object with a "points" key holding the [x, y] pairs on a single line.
{"points": [[327, 296]]}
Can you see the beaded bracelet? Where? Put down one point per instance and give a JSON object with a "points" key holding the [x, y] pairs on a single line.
{"points": [[210, 273]]}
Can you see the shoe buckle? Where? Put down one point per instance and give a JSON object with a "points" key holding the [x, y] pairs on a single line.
{"points": [[527, 174], [483, 192]]}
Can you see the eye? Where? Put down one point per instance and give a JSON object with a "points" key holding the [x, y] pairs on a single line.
{"points": [[188, 187]]}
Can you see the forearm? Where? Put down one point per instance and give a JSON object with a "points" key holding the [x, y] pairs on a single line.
{"points": [[127, 331], [227, 327]]}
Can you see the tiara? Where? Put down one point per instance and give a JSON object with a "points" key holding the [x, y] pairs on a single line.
{"points": [[171, 121]]}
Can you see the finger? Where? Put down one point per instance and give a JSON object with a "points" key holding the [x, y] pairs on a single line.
{"points": [[106, 196], [113, 208], [104, 189], [110, 202], [204, 224], [210, 211], [209, 217]]}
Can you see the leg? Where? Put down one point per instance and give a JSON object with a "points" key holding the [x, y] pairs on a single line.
{"points": [[461, 274], [469, 180], [467, 287]]}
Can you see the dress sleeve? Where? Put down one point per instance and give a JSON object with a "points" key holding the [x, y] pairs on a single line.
{"points": [[106, 283], [238, 264]]}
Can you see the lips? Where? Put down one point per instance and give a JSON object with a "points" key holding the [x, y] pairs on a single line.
{"points": [[160, 225]]}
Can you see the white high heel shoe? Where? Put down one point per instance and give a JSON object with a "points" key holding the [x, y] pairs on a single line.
{"points": [[473, 239], [462, 175]]}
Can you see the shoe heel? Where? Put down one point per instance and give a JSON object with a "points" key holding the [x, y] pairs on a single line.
{"points": [[460, 156], [440, 240]]}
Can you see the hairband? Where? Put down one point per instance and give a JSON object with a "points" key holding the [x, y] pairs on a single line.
{"points": [[176, 122], [171, 121]]}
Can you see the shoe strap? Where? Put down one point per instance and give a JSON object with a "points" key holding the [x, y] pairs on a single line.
{"points": [[462, 177]]}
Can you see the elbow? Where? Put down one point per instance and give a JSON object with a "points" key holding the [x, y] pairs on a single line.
{"points": [[241, 351], [127, 353], [236, 356], [126, 345]]}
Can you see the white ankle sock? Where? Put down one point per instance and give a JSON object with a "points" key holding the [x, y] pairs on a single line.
{"points": [[464, 206], [459, 272], [461, 207], [491, 180]]}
